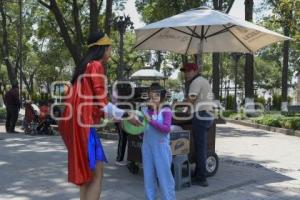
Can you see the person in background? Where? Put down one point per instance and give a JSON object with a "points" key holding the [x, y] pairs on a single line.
{"points": [[30, 115], [198, 93], [156, 151], [122, 140], [12, 104]]}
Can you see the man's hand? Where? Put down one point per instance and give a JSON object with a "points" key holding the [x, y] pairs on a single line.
{"points": [[148, 118], [134, 120], [191, 99]]}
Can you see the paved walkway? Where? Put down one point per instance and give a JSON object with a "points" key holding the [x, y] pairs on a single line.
{"points": [[254, 165]]}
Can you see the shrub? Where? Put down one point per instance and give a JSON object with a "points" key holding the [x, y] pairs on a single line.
{"points": [[276, 104], [269, 120], [290, 122], [230, 102], [279, 121], [260, 100], [277, 101], [227, 113], [2, 113], [36, 97]]}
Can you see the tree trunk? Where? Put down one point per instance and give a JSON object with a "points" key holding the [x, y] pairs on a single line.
{"points": [[78, 31], [120, 73], [12, 76], [248, 74], [159, 60], [230, 4], [108, 16], [93, 16], [218, 5], [221, 78], [184, 59], [249, 77], [285, 66], [216, 75]]}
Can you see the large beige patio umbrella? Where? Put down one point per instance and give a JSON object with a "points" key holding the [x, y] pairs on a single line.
{"points": [[204, 30]]}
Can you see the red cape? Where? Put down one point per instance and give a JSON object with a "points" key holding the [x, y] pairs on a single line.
{"points": [[83, 114]]}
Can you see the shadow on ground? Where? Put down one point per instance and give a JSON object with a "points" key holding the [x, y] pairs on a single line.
{"points": [[225, 131], [34, 168]]}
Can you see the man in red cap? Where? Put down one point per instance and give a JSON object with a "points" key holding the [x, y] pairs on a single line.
{"points": [[198, 93]]}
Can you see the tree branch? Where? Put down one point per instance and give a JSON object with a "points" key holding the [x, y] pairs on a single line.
{"points": [[100, 6], [44, 4], [76, 55], [108, 16], [230, 4], [114, 60]]}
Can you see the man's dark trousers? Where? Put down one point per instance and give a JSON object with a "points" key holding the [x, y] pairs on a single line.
{"points": [[11, 118], [122, 142], [201, 122]]}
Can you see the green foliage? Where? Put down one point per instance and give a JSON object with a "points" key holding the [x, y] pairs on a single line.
{"points": [[269, 120], [260, 100], [267, 73], [133, 60], [2, 113], [173, 84], [230, 102], [155, 10], [237, 116], [290, 122], [279, 121], [285, 14], [276, 102], [228, 113], [36, 97], [232, 114]]}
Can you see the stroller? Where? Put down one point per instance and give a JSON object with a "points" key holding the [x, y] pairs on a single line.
{"points": [[37, 120]]}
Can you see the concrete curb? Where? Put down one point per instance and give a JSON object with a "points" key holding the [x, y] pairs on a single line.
{"points": [[267, 128]]}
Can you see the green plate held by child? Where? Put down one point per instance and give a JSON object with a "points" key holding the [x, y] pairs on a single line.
{"points": [[132, 129]]}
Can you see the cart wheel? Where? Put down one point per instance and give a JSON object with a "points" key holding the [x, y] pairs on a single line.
{"points": [[133, 167], [212, 164]]}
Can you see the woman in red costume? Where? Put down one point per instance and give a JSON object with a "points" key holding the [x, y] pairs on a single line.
{"points": [[86, 102]]}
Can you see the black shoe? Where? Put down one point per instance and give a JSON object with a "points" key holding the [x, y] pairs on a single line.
{"points": [[200, 182]]}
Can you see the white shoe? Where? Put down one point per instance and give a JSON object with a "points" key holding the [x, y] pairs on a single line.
{"points": [[121, 163]]}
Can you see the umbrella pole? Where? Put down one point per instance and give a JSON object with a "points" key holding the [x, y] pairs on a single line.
{"points": [[199, 56]]}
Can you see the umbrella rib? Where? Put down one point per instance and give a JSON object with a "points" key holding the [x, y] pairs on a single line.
{"points": [[148, 37], [190, 40], [184, 32], [194, 32], [220, 32], [206, 30], [239, 40]]}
